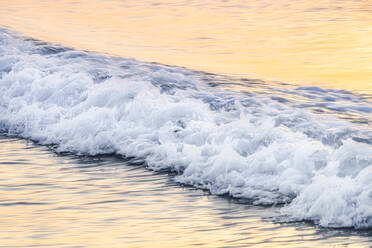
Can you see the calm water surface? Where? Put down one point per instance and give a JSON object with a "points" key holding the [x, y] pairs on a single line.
{"points": [[326, 43], [67, 201]]}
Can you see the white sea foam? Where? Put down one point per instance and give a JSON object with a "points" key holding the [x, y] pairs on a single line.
{"points": [[266, 144]]}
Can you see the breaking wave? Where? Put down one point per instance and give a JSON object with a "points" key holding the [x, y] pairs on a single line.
{"points": [[271, 143]]}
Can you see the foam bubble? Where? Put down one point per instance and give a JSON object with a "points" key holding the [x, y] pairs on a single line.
{"points": [[265, 144]]}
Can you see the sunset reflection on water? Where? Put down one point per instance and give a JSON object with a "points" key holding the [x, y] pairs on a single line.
{"points": [[327, 43], [48, 200], [56, 200]]}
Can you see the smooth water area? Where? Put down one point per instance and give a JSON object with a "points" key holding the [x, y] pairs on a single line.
{"points": [[323, 43], [51, 200]]}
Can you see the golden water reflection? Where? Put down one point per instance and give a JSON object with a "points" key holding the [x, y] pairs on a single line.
{"points": [[65, 201], [328, 43]]}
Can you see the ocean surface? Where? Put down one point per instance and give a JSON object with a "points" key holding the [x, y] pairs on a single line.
{"points": [[129, 152], [322, 43], [52, 200]]}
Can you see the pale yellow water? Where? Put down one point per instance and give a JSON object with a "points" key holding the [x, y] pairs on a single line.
{"points": [[65, 201], [48, 200], [325, 43]]}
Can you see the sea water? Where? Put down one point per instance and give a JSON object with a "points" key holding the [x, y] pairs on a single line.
{"points": [[323, 43], [51, 200], [304, 150]]}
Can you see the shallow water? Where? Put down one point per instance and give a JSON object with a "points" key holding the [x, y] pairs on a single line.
{"points": [[307, 144], [326, 43], [69, 201], [268, 143]]}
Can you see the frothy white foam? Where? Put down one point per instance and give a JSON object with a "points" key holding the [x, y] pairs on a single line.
{"points": [[259, 144]]}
